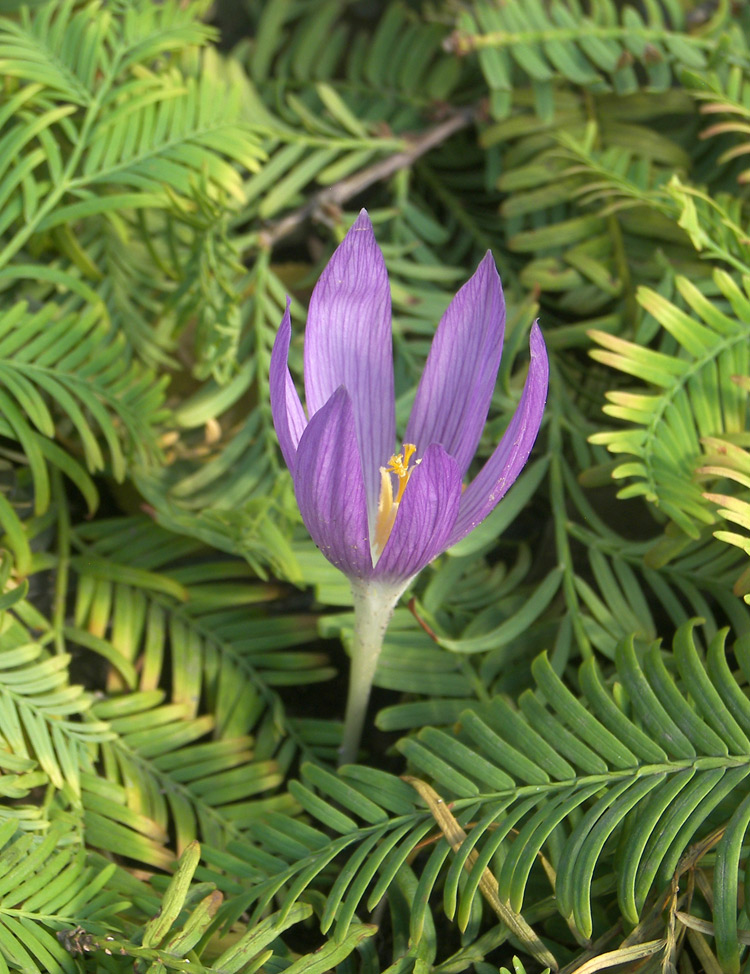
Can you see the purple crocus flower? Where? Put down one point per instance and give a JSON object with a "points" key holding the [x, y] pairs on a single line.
{"points": [[381, 517], [377, 515]]}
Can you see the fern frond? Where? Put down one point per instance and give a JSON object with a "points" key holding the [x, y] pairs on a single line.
{"points": [[342, 83], [220, 484], [727, 460], [396, 62], [159, 779], [141, 134], [595, 50], [602, 737], [725, 93], [694, 396], [222, 492], [614, 785], [65, 48], [99, 140], [133, 560], [188, 127], [587, 211], [38, 49], [714, 224], [44, 720], [625, 173], [47, 885], [210, 758], [64, 376]]}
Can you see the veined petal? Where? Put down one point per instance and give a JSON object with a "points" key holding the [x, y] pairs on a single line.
{"points": [[425, 518], [455, 390], [348, 343], [288, 415], [330, 488], [500, 471]]}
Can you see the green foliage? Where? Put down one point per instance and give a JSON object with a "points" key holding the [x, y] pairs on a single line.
{"points": [[696, 399], [599, 48], [557, 764], [618, 783], [107, 162]]}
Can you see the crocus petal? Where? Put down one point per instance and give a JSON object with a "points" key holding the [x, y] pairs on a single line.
{"points": [[425, 519], [455, 390], [330, 488], [506, 463], [286, 409], [348, 343]]}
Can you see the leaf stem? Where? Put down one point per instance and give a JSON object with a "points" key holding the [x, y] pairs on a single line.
{"points": [[373, 608], [342, 191]]}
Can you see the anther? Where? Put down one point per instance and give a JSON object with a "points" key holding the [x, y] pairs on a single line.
{"points": [[388, 505]]}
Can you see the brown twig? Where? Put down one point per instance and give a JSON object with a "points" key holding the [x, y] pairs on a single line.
{"points": [[342, 191], [412, 607]]}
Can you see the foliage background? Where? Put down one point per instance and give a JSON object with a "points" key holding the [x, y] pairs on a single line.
{"points": [[558, 765]]}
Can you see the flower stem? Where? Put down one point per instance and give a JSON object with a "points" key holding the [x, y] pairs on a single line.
{"points": [[373, 608]]}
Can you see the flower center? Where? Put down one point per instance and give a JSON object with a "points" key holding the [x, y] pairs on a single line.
{"points": [[388, 505]]}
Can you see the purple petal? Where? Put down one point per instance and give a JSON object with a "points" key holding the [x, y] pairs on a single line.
{"points": [[456, 387], [348, 343], [503, 467], [286, 409], [425, 518], [330, 488]]}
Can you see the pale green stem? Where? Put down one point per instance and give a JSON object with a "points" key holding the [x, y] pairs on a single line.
{"points": [[373, 608]]}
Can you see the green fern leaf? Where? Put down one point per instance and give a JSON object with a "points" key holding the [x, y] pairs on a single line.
{"points": [[69, 365], [595, 50], [666, 425], [38, 718], [631, 780]]}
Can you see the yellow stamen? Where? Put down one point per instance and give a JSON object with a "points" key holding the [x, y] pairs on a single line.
{"points": [[399, 464], [387, 505]]}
